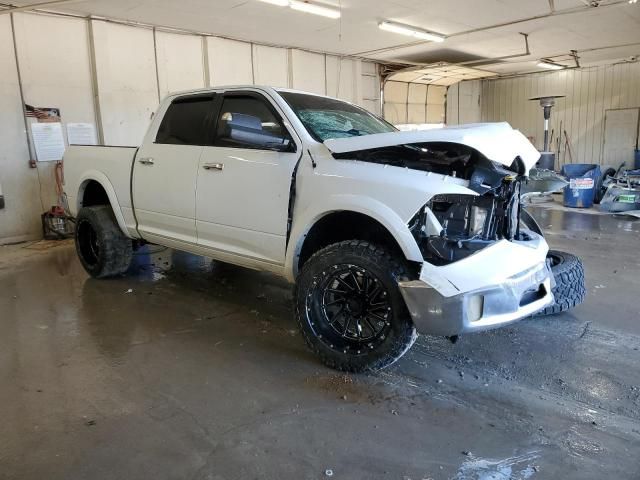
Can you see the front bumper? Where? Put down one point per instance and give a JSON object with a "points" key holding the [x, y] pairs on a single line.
{"points": [[435, 311]]}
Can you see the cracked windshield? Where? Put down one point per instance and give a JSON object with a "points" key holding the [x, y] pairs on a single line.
{"points": [[326, 118]]}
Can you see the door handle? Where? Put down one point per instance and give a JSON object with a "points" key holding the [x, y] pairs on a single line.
{"points": [[146, 161], [213, 166]]}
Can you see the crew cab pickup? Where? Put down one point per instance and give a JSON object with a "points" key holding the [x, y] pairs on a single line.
{"points": [[384, 233]]}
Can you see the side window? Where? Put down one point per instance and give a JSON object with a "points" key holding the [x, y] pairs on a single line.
{"points": [[186, 121], [249, 122]]}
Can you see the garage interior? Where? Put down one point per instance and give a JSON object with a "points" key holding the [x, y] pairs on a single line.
{"points": [[192, 368]]}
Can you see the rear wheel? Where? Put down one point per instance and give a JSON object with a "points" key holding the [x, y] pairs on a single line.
{"points": [[103, 249], [570, 290], [349, 307]]}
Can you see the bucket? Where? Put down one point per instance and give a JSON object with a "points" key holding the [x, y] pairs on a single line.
{"points": [[582, 184]]}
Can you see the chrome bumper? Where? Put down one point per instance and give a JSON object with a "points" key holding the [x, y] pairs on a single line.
{"points": [[518, 297]]}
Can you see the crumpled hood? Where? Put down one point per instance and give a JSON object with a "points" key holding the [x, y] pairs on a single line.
{"points": [[496, 141]]}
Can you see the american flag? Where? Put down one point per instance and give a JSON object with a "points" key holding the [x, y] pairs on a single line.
{"points": [[41, 113]]}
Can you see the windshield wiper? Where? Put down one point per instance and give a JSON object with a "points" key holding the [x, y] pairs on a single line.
{"points": [[352, 132]]}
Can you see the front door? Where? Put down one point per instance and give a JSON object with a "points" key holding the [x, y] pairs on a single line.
{"points": [[244, 180], [166, 169]]}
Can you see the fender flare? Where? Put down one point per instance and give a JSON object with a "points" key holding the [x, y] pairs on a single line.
{"points": [[305, 220], [101, 178]]}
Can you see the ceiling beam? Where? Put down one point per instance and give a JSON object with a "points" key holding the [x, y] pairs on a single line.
{"points": [[34, 6]]}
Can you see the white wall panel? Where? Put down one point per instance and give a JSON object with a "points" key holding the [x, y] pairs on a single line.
{"points": [[371, 87], [270, 66], [130, 73], [417, 103], [395, 102], [589, 93], [229, 62], [127, 86], [462, 102], [413, 103], [180, 62], [342, 76], [20, 219], [308, 72], [55, 73]]}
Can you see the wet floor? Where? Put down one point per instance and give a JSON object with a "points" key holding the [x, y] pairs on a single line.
{"points": [[191, 369]]}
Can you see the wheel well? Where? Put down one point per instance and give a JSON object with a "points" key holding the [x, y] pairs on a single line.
{"points": [[346, 225], [94, 194]]}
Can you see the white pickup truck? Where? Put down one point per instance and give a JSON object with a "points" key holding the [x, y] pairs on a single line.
{"points": [[383, 232]]}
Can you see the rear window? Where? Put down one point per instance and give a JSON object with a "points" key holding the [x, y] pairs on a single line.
{"points": [[187, 121]]}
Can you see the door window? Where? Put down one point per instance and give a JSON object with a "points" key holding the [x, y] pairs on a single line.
{"points": [[187, 121], [249, 122]]}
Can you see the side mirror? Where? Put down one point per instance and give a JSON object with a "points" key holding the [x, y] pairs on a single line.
{"points": [[248, 130]]}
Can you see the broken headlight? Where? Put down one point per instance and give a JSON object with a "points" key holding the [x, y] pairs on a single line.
{"points": [[454, 226]]}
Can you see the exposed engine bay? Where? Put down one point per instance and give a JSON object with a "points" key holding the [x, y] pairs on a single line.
{"points": [[451, 227]]}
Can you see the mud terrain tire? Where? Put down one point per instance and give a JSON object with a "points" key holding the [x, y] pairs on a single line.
{"points": [[570, 290], [360, 280], [102, 248]]}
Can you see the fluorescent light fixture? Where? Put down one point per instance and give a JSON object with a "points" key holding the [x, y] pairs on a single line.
{"points": [[280, 3], [314, 8], [411, 31], [549, 65]]}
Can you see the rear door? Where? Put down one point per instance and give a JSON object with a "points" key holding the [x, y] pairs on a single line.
{"points": [[166, 169], [242, 198]]}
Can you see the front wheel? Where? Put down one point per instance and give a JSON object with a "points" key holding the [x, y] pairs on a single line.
{"points": [[570, 290], [349, 307]]}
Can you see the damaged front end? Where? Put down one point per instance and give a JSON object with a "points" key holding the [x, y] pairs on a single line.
{"points": [[450, 227]]}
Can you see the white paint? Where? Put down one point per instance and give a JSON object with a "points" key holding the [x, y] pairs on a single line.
{"points": [[496, 141], [219, 219]]}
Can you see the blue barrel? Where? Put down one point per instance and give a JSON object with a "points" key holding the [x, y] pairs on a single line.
{"points": [[637, 159], [583, 178]]}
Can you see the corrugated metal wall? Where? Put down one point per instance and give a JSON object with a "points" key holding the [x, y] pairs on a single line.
{"points": [[589, 93]]}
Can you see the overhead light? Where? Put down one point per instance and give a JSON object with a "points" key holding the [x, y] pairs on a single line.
{"points": [[280, 3], [411, 31], [632, 1], [550, 65], [314, 8]]}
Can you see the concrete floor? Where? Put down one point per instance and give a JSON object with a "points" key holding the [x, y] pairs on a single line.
{"points": [[189, 369]]}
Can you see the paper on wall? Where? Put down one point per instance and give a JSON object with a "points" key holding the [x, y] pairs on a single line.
{"points": [[81, 134], [48, 140]]}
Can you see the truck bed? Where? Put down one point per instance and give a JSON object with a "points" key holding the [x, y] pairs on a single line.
{"points": [[111, 166]]}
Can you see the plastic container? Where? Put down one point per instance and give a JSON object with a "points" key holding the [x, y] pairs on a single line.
{"points": [[583, 178]]}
